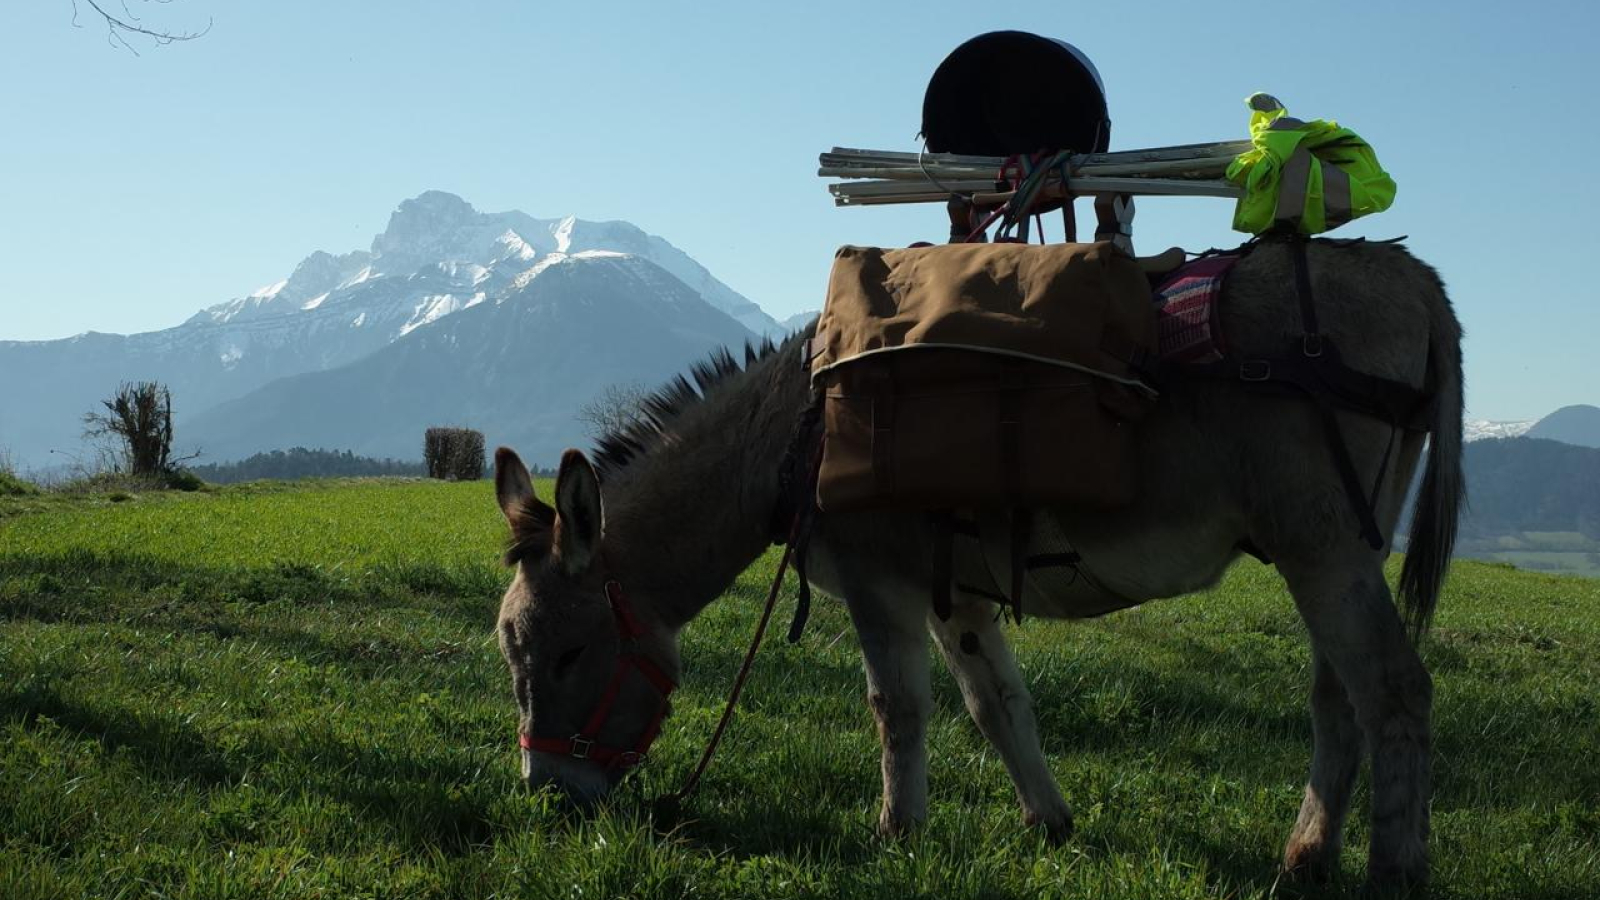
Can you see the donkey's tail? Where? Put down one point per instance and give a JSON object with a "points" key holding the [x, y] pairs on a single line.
{"points": [[1444, 490]]}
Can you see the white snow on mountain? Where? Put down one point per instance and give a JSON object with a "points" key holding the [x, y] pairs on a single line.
{"points": [[1478, 429], [555, 258], [358, 278], [432, 309], [515, 247], [562, 232], [270, 291]]}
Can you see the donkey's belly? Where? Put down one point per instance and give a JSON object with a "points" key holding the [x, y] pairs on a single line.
{"points": [[1077, 573], [1123, 558], [1070, 593]]}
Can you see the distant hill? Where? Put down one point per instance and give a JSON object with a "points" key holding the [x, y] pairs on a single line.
{"points": [[1578, 425], [1530, 501], [1531, 484]]}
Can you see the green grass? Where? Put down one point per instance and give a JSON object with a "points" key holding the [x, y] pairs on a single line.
{"points": [[292, 691]]}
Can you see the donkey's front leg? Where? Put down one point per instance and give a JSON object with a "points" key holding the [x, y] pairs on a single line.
{"points": [[977, 654], [896, 655]]}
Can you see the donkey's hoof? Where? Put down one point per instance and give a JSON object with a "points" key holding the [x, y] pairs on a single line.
{"points": [[1388, 882], [893, 828], [1056, 827], [1309, 863]]}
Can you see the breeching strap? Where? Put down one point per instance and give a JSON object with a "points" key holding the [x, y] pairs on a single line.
{"points": [[1314, 368]]}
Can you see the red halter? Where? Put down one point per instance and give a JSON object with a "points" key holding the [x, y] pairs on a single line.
{"points": [[584, 744]]}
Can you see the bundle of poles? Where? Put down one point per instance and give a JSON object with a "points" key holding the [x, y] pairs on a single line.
{"points": [[880, 177]]}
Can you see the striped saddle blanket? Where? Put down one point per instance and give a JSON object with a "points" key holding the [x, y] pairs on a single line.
{"points": [[1186, 310]]}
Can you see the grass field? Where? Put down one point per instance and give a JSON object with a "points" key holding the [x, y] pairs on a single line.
{"points": [[273, 691]]}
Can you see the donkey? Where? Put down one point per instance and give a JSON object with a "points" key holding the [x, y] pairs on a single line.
{"points": [[676, 506]]}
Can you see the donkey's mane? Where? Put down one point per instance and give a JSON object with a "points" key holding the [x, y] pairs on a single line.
{"points": [[624, 445]]}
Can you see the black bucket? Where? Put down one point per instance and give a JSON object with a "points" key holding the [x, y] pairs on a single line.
{"points": [[1010, 92]]}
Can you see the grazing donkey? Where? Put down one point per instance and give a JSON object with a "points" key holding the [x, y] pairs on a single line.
{"points": [[689, 499]]}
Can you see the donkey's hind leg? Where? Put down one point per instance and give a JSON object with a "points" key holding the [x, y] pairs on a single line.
{"points": [[895, 652], [1355, 628], [1314, 845], [978, 656]]}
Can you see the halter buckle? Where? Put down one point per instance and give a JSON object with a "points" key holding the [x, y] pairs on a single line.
{"points": [[581, 746]]}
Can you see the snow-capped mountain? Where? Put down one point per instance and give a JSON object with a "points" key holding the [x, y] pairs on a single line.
{"points": [[1479, 429], [437, 257], [440, 230], [517, 367]]}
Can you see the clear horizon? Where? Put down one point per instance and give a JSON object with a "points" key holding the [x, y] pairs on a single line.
{"points": [[140, 189]]}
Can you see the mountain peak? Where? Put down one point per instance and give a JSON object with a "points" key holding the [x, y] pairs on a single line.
{"points": [[421, 221], [437, 202]]}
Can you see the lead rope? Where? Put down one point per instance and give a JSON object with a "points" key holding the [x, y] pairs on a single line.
{"points": [[668, 807]]}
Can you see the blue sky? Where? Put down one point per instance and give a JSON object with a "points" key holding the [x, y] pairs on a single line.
{"points": [[135, 190]]}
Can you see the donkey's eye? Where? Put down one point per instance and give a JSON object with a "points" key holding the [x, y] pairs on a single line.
{"points": [[568, 658]]}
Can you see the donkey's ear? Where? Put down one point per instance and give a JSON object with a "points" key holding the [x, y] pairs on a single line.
{"points": [[579, 516], [530, 519], [512, 486]]}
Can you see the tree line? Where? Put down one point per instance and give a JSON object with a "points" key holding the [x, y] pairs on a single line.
{"points": [[302, 462]]}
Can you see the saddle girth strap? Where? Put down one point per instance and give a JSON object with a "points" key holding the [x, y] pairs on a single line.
{"points": [[943, 524], [1021, 533]]}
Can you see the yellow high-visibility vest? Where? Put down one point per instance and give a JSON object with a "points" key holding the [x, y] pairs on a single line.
{"points": [[1308, 176]]}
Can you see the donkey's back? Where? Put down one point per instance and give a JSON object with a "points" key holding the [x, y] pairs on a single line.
{"points": [[1230, 465]]}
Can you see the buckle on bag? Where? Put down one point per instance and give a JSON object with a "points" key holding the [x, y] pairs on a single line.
{"points": [[1255, 370]]}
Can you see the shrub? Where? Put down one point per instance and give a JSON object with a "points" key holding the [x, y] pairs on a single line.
{"points": [[453, 453], [12, 486], [183, 480], [139, 417]]}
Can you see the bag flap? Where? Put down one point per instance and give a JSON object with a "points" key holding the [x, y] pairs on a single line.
{"points": [[1078, 305]]}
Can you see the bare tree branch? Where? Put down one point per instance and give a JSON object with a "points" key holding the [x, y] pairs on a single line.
{"points": [[119, 28], [614, 409]]}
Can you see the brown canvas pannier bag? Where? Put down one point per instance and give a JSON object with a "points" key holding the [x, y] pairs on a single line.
{"points": [[981, 375]]}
